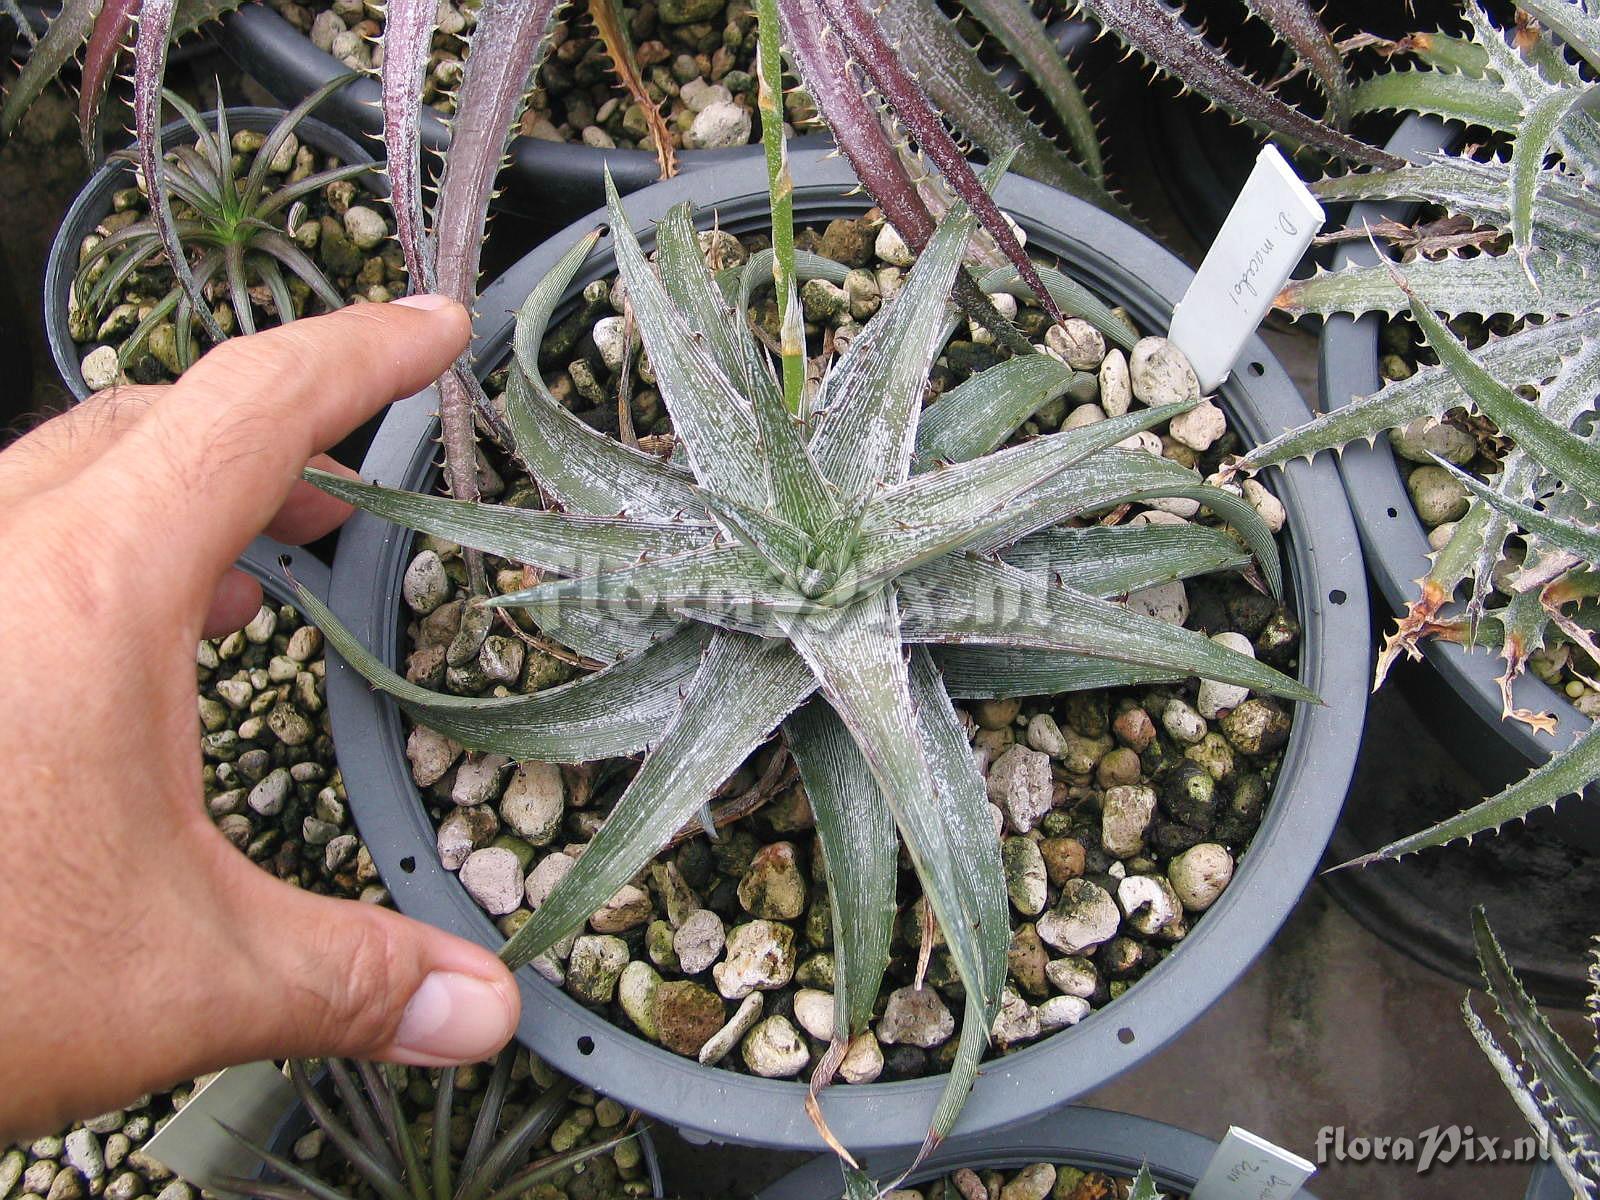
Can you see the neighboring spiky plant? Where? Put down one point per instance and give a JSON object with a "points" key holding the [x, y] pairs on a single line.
{"points": [[820, 543], [1551, 1086], [98, 29], [1532, 92], [232, 228], [1171, 46], [383, 1150]]}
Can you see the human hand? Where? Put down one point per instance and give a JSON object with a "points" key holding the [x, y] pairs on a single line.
{"points": [[137, 946]]}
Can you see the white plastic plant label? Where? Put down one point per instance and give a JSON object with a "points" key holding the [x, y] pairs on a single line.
{"points": [[1271, 224], [251, 1100], [1247, 1167]]}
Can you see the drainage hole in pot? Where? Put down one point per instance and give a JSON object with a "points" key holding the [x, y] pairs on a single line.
{"points": [[586, 1045], [1337, 596], [1257, 369], [1125, 1036], [408, 864]]}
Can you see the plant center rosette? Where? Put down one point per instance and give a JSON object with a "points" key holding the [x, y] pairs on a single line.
{"points": [[985, 598]]}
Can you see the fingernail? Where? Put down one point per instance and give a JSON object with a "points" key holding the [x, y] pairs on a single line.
{"points": [[453, 1018], [427, 301]]}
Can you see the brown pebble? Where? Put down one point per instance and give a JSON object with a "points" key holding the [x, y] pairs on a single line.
{"points": [[1134, 729], [1063, 858]]}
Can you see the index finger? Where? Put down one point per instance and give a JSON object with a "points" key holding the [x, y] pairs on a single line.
{"points": [[214, 459]]}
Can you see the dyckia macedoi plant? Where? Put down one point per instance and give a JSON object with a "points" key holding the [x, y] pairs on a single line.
{"points": [[832, 563]]}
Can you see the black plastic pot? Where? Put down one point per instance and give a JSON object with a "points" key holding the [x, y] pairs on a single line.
{"points": [[1397, 552], [549, 182], [1090, 1139], [1329, 589], [94, 203]]}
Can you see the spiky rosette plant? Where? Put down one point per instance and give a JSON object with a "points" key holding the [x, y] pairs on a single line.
{"points": [[835, 566], [363, 1119], [1552, 1086], [1540, 206], [235, 230]]}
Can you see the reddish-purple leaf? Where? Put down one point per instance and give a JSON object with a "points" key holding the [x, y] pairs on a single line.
{"points": [[1296, 22], [1162, 36], [149, 69], [872, 51], [407, 43], [504, 52], [106, 42], [855, 122]]}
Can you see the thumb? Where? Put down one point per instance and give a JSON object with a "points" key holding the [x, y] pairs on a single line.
{"points": [[330, 977]]}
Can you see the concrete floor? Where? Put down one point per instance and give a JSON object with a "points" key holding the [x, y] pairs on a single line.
{"points": [[1332, 1027]]}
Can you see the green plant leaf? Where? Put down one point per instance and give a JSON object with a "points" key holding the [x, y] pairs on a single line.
{"points": [[974, 417], [567, 543], [743, 689], [1566, 774], [799, 493], [1485, 285], [1114, 477], [1559, 450], [871, 398], [726, 335], [713, 420], [1572, 23], [1582, 540], [1012, 22], [1144, 1185], [1112, 560], [940, 511], [997, 672], [1448, 94], [584, 470], [1532, 355], [857, 657], [1573, 1092], [966, 600], [721, 579], [1071, 297], [856, 832], [615, 711], [1535, 132]]}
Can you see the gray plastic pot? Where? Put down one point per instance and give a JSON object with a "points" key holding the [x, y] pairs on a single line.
{"points": [[1091, 1139], [1397, 552], [1329, 589], [93, 204], [551, 182]]}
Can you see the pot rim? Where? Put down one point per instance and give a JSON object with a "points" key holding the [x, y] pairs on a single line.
{"points": [[1095, 1139], [717, 1104], [1392, 535], [93, 202]]}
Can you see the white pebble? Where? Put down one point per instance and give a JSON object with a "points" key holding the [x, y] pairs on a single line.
{"points": [[1167, 602], [1215, 698], [1200, 426], [1268, 507], [892, 249]]}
